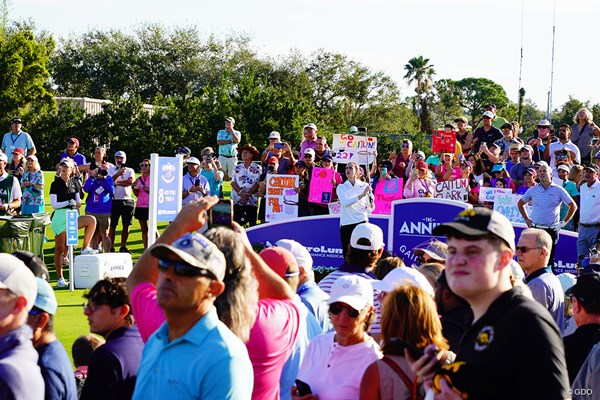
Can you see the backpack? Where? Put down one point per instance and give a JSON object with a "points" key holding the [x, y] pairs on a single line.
{"points": [[412, 386]]}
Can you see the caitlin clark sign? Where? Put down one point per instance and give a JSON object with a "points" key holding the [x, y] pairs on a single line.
{"points": [[282, 199], [359, 149], [321, 187], [453, 190]]}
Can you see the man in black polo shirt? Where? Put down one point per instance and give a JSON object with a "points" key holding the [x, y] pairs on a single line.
{"points": [[585, 298], [487, 134], [513, 349]]}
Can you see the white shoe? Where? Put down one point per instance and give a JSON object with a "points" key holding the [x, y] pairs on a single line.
{"points": [[61, 283], [88, 251]]}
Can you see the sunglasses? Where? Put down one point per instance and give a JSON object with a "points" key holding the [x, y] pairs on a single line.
{"points": [[560, 156], [144, 165], [307, 156], [405, 145], [336, 309], [563, 130], [93, 307], [422, 260], [525, 249], [184, 269], [543, 127]]}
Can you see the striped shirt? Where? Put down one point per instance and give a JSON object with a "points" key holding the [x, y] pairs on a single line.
{"points": [[546, 203], [326, 283]]}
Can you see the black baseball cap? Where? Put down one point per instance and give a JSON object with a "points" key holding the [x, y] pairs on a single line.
{"points": [[587, 288], [478, 222]]}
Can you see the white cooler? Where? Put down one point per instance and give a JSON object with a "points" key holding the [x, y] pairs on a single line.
{"points": [[89, 269]]}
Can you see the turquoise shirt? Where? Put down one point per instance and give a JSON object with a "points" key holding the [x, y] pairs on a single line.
{"points": [[229, 149], [208, 362]]}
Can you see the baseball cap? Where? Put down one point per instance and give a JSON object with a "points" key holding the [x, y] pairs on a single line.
{"points": [[312, 126], [489, 114], [34, 263], [230, 119], [515, 146], [302, 256], [527, 147], [372, 233], [478, 222], [67, 161], [421, 165], [309, 151], [587, 288], [597, 155], [73, 140], [592, 168], [462, 118], [196, 250], [567, 280], [300, 163], [32, 157], [326, 157], [45, 299], [17, 278], [563, 167], [18, 150], [192, 160], [531, 171], [183, 150], [120, 154], [507, 126], [280, 259], [544, 123], [353, 290], [435, 249], [275, 135], [273, 160], [402, 275], [498, 167], [451, 126], [16, 120], [3, 157]]}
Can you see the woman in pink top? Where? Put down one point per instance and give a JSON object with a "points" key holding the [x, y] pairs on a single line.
{"points": [[448, 170], [141, 189], [419, 184]]}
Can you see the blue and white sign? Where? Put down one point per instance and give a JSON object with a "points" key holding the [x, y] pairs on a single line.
{"points": [[168, 196], [72, 238]]}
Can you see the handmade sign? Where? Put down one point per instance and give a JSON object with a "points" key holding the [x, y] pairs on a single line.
{"points": [[443, 142], [506, 204], [386, 191], [282, 199], [348, 147], [321, 187], [453, 190], [489, 194]]}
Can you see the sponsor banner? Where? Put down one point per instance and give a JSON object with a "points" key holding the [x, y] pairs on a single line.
{"points": [[348, 147], [506, 204], [443, 142], [386, 191], [488, 194], [410, 225], [453, 190], [319, 234], [72, 224], [169, 198], [321, 187], [281, 199]]}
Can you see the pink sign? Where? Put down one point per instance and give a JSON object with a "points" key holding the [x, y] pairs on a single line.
{"points": [[386, 191], [320, 185]]}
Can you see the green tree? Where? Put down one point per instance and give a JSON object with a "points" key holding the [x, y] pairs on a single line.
{"points": [[446, 103], [24, 87], [420, 72], [476, 93]]}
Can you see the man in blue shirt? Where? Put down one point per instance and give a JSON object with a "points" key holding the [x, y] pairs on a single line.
{"points": [[547, 198], [20, 376], [17, 138], [192, 354], [53, 358], [73, 153]]}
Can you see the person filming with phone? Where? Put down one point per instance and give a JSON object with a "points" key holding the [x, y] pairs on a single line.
{"points": [[195, 185]]}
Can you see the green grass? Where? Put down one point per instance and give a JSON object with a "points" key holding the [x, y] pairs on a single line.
{"points": [[69, 320]]}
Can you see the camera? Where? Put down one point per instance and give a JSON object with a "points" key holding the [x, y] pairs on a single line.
{"points": [[123, 165], [279, 145], [271, 168], [102, 172], [197, 182]]}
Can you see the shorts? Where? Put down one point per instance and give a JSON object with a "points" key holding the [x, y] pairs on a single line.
{"points": [[102, 221], [142, 213], [59, 221], [122, 209]]}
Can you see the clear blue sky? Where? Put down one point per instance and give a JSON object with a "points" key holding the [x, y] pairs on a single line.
{"points": [[462, 38]]}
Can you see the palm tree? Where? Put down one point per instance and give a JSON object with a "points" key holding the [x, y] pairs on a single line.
{"points": [[419, 71]]}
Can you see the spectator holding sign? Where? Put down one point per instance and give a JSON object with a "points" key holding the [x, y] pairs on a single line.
{"points": [[419, 184], [466, 170], [303, 189], [323, 208], [448, 170]]}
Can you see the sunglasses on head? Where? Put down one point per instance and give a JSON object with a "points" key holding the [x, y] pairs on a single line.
{"points": [[336, 309], [184, 269], [525, 249]]}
